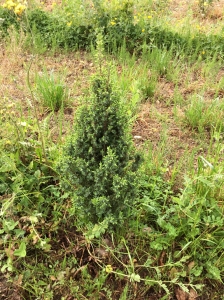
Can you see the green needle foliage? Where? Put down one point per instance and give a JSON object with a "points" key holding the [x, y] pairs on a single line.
{"points": [[99, 158]]}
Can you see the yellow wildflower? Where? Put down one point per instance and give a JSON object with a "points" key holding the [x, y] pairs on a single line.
{"points": [[9, 4], [10, 105], [143, 30], [149, 17], [108, 269], [69, 24], [19, 9], [17, 6], [113, 23]]}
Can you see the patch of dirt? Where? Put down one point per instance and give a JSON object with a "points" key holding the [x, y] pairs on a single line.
{"points": [[9, 291], [205, 22], [156, 127]]}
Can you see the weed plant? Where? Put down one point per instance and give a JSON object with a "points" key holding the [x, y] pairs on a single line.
{"points": [[28, 189], [188, 227], [204, 116], [51, 91], [12, 12], [49, 30]]}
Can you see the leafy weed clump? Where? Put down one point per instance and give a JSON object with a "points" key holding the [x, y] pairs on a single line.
{"points": [[7, 19], [51, 91], [203, 116], [99, 159]]}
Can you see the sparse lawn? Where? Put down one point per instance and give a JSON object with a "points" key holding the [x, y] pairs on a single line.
{"points": [[141, 218]]}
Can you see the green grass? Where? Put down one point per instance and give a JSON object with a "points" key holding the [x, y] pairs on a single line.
{"points": [[170, 86], [51, 91], [204, 116]]}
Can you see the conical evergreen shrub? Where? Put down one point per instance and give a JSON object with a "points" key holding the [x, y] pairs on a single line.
{"points": [[99, 158]]}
